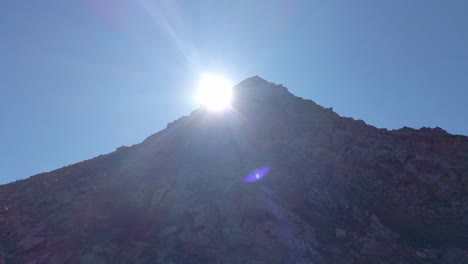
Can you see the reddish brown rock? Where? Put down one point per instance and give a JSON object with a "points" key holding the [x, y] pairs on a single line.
{"points": [[336, 191]]}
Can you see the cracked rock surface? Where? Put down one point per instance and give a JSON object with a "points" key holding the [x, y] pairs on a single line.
{"points": [[337, 191]]}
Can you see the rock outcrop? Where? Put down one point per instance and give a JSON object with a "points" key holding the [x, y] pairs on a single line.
{"points": [[325, 189]]}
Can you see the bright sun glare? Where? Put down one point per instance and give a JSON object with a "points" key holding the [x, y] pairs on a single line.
{"points": [[214, 92]]}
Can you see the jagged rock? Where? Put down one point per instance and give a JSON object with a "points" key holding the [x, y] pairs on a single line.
{"points": [[376, 248], [28, 243], [453, 255], [340, 233], [90, 258], [336, 190]]}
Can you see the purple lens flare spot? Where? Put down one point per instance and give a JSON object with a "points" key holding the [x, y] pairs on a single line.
{"points": [[257, 175]]}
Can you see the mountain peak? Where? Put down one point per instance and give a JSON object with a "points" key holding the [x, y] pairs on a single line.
{"points": [[255, 81], [279, 179], [257, 92], [252, 81]]}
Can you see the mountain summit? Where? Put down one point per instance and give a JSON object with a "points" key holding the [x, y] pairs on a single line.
{"points": [[278, 179]]}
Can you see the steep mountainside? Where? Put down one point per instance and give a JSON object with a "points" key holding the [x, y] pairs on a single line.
{"points": [[279, 179]]}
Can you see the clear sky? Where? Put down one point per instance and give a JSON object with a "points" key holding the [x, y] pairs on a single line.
{"points": [[80, 78]]}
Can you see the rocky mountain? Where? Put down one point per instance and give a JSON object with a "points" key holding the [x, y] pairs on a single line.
{"points": [[278, 179]]}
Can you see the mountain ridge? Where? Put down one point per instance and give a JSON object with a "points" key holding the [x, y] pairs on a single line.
{"points": [[336, 190]]}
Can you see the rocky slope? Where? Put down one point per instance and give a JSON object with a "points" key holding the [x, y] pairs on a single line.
{"points": [[279, 179]]}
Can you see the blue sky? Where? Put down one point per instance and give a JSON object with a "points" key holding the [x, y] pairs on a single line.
{"points": [[80, 78]]}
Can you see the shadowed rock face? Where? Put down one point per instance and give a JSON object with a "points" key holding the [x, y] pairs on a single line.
{"points": [[332, 190]]}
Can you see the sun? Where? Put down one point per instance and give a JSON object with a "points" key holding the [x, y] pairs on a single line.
{"points": [[214, 92]]}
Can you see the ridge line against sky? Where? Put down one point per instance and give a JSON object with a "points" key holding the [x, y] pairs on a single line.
{"points": [[81, 78]]}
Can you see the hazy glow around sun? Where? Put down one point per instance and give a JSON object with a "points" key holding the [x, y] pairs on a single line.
{"points": [[214, 92]]}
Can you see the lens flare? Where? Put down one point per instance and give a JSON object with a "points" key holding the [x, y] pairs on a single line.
{"points": [[257, 175]]}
